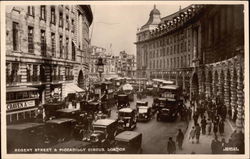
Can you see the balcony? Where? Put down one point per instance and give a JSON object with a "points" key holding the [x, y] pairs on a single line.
{"points": [[33, 78], [13, 79], [68, 78]]}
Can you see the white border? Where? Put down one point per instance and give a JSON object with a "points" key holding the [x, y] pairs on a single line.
{"points": [[53, 156]]}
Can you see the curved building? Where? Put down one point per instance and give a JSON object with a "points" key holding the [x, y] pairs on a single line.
{"points": [[201, 47]]}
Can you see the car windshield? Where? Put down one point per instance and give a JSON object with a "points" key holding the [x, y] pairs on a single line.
{"points": [[124, 114], [143, 110], [170, 103]]}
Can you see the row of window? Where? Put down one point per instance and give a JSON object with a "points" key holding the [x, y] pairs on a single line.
{"points": [[170, 50], [36, 73], [178, 62], [43, 15], [63, 48]]}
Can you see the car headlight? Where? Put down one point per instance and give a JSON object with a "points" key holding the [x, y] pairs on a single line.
{"points": [[127, 125], [146, 116]]}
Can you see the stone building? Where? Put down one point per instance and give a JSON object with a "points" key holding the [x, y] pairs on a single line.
{"points": [[201, 47], [47, 47]]}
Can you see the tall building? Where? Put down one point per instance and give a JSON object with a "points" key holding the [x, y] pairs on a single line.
{"points": [[46, 47], [201, 47]]}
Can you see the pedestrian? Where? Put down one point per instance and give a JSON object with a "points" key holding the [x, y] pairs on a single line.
{"points": [[203, 125], [192, 135], [221, 127], [215, 128], [171, 146], [209, 126], [197, 132], [223, 144], [179, 139], [195, 117], [215, 146]]}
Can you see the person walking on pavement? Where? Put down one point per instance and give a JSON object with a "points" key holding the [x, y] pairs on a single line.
{"points": [[209, 126], [197, 132], [203, 125], [221, 127], [215, 128], [171, 146], [192, 135], [179, 138], [195, 117]]}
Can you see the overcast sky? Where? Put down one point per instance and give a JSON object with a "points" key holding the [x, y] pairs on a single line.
{"points": [[116, 25]]}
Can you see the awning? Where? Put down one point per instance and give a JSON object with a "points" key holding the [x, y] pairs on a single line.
{"points": [[72, 88], [20, 89]]}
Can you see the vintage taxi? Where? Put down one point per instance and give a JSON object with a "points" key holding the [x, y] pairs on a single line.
{"points": [[126, 119], [130, 142]]}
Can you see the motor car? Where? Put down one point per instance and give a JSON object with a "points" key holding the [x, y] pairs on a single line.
{"points": [[129, 141], [122, 101], [104, 132], [126, 119], [169, 111], [144, 113], [157, 103], [59, 130], [25, 135]]}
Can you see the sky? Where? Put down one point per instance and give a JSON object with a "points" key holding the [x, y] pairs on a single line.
{"points": [[114, 27]]}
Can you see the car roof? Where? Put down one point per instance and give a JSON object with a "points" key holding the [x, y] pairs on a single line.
{"points": [[59, 120], [162, 98], [141, 102], [143, 107], [127, 136], [104, 122], [23, 126], [66, 110], [172, 87], [126, 110], [122, 95]]}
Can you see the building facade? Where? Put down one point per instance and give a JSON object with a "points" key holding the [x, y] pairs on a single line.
{"points": [[46, 47], [201, 47]]}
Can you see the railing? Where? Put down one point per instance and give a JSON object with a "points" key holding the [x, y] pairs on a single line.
{"points": [[67, 78], [33, 78], [13, 79]]}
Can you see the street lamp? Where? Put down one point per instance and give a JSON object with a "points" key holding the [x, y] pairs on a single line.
{"points": [[100, 67]]}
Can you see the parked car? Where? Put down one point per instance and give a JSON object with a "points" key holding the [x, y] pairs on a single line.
{"points": [[59, 130], [126, 119], [25, 135], [131, 141], [104, 133]]}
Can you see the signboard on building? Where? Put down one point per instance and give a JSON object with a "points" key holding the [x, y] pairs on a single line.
{"points": [[20, 105]]}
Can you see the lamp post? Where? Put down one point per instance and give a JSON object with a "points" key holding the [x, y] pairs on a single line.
{"points": [[100, 70]]}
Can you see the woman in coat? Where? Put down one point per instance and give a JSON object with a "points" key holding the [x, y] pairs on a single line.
{"points": [[192, 135]]}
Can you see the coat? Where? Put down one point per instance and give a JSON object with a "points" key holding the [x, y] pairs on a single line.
{"points": [[180, 137], [171, 147]]}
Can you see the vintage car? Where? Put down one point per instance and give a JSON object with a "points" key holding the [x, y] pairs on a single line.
{"points": [[169, 111], [122, 101], [25, 135], [130, 141], [68, 113], [126, 119], [144, 112], [90, 106], [157, 103], [59, 130], [104, 133]]}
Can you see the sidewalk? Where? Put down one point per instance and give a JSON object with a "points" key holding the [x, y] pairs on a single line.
{"points": [[204, 146]]}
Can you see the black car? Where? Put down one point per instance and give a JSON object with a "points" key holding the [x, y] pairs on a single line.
{"points": [[169, 111]]}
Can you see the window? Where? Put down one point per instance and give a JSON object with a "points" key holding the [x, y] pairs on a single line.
{"points": [[14, 73], [53, 15], [53, 44], [28, 70], [67, 22], [35, 72], [73, 52], [43, 43], [30, 39], [61, 19], [15, 35], [61, 46], [43, 13], [67, 48], [188, 60], [31, 11]]}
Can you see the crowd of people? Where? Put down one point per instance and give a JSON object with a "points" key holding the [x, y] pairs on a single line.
{"points": [[209, 117]]}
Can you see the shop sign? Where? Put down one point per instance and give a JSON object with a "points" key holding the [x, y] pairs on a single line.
{"points": [[20, 105]]}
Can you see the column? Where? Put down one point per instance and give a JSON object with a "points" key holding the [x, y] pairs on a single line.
{"points": [[183, 82], [219, 85], [208, 86], [214, 84], [227, 90], [240, 100], [47, 86], [233, 92]]}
